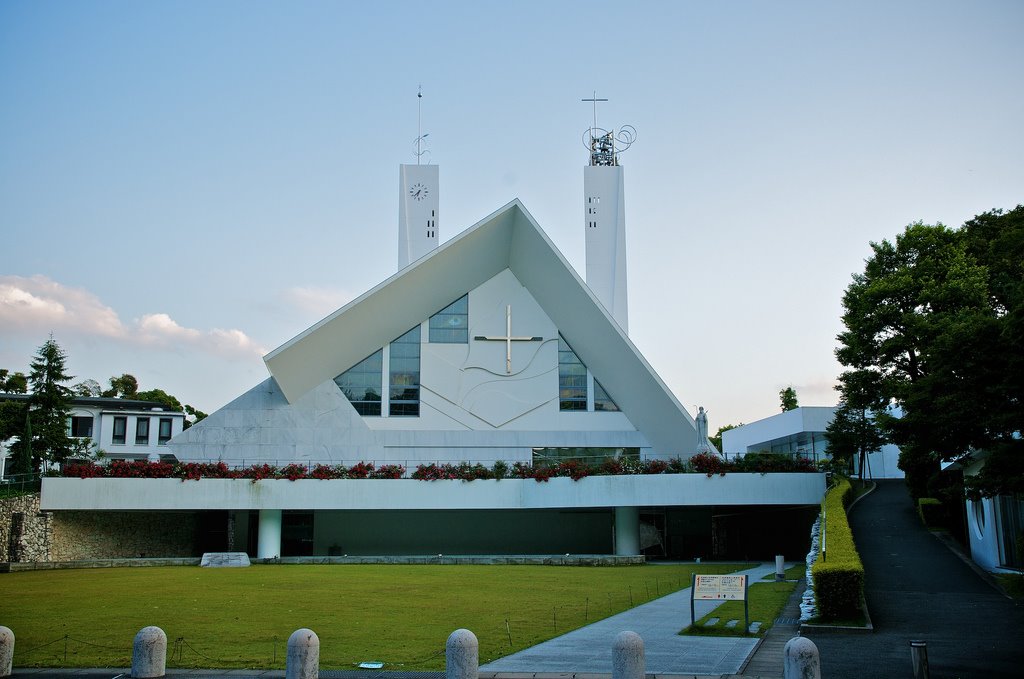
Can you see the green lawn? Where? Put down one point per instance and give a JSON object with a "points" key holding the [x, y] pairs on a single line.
{"points": [[792, 573], [767, 599], [399, 615]]}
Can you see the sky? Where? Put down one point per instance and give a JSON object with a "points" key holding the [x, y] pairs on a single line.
{"points": [[185, 186]]}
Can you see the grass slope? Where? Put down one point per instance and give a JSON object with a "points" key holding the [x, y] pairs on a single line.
{"points": [[399, 615]]}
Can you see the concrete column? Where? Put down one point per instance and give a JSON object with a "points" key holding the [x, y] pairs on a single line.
{"points": [[462, 655], [268, 545], [801, 660], [6, 651], [303, 660], [627, 531], [628, 656], [149, 653]]}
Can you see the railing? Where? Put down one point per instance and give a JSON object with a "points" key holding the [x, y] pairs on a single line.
{"points": [[19, 484]]}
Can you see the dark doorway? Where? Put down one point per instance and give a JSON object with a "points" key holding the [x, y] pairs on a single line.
{"points": [[297, 534]]}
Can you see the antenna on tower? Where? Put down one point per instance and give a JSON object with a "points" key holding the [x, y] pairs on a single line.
{"points": [[606, 145], [420, 137]]}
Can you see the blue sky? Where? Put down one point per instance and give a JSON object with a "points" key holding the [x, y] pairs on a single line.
{"points": [[184, 186]]}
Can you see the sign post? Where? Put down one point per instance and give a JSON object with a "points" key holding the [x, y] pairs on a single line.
{"points": [[720, 588]]}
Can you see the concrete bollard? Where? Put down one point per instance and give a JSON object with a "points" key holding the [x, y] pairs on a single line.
{"points": [[462, 655], [149, 653], [628, 656], [919, 659], [303, 660], [6, 651], [802, 660], [780, 567]]}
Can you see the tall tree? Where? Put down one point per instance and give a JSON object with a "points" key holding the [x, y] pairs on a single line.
{"points": [[788, 400], [49, 405], [931, 322]]}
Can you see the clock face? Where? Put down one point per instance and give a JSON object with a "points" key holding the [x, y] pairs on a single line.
{"points": [[418, 191]]}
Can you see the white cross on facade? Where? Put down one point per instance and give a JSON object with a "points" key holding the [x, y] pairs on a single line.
{"points": [[508, 339]]}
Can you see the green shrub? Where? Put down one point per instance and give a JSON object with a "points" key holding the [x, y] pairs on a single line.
{"points": [[838, 575], [932, 512]]}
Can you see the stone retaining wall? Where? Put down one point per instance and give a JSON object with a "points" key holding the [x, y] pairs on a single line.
{"points": [[122, 535], [28, 535]]}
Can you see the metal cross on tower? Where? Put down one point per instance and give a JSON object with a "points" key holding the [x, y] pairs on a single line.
{"points": [[508, 339], [594, 99]]}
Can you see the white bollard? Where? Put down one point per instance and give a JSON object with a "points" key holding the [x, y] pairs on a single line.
{"points": [[462, 655], [801, 659], [303, 660], [6, 651], [628, 656], [149, 653], [918, 659], [780, 567]]}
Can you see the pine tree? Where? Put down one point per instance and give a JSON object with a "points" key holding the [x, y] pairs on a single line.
{"points": [[49, 405]]}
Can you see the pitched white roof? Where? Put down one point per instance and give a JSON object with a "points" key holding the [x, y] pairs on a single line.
{"points": [[507, 239]]}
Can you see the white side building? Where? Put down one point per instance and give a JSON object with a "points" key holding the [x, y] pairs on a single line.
{"points": [[801, 431]]}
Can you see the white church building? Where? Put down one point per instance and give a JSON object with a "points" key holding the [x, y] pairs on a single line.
{"points": [[487, 348]]}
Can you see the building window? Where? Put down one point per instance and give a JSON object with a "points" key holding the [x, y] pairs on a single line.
{"points": [[361, 383], [602, 401], [164, 435], [81, 427], [142, 431], [450, 325], [572, 378], [404, 379], [120, 431]]}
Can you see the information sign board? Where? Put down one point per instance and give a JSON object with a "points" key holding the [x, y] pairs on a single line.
{"points": [[720, 587]]}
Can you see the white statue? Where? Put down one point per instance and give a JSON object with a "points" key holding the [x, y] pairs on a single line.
{"points": [[702, 431]]}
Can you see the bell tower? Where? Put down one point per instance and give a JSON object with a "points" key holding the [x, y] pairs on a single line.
{"points": [[604, 212], [417, 201]]}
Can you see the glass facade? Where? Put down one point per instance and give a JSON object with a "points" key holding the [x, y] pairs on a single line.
{"points": [[450, 325], [404, 378], [572, 378], [361, 383], [602, 401]]}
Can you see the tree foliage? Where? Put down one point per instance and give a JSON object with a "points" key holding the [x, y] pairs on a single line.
{"points": [[125, 386], [933, 325], [788, 400], [49, 405], [13, 384], [716, 440]]}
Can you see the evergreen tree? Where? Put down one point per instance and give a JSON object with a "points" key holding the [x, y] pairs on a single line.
{"points": [[49, 405]]}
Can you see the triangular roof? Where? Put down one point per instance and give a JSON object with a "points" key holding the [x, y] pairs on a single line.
{"points": [[511, 239]]}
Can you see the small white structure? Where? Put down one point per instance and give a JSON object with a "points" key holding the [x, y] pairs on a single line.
{"points": [[801, 431]]}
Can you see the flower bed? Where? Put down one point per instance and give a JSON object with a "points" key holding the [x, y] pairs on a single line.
{"points": [[703, 463]]}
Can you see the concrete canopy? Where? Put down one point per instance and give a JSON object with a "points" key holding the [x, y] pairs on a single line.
{"points": [[507, 239]]}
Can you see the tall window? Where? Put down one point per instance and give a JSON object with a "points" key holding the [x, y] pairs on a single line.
{"points": [[572, 378], [81, 426], [361, 383], [602, 401], [450, 325], [142, 431], [404, 379], [164, 435], [120, 430]]}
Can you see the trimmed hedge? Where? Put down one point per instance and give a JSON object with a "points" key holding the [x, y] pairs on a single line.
{"points": [[839, 577], [932, 512]]}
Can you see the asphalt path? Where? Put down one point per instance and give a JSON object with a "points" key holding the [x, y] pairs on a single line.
{"points": [[918, 589]]}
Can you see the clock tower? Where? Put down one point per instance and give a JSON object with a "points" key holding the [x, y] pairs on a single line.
{"points": [[417, 203], [604, 212]]}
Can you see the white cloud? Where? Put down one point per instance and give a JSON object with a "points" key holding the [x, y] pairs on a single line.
{"points": [[39, 305], [315, 300]]}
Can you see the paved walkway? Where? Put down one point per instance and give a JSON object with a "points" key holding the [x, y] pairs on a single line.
{"points": [[588, 650], [917, 588]]}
